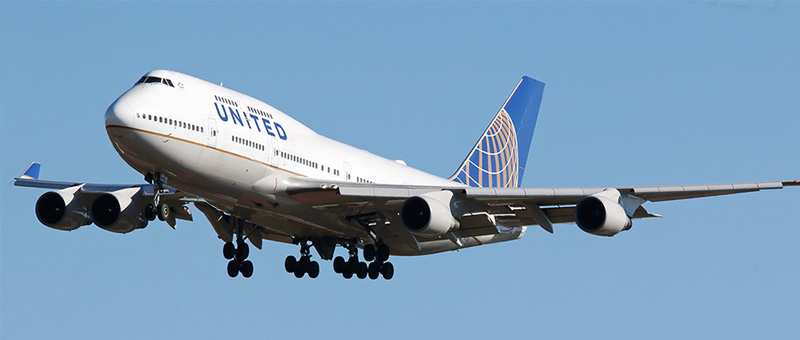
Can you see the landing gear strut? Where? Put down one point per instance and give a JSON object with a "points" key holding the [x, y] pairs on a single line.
{"points": [[157, 209], [304, 265], [238, 256]]}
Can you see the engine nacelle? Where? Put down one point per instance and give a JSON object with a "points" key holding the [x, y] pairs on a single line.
{"points": [[601, 215], [118, 211], [62, 210], [429, 214]]}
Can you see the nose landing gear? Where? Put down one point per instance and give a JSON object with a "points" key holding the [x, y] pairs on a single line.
{"points": [[157, 208]]}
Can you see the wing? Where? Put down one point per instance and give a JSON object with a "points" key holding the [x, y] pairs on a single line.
{"points": [[86, 193], [491, 211]]}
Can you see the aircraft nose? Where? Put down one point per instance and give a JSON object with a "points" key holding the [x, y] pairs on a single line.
{"points": [[119, 113]]}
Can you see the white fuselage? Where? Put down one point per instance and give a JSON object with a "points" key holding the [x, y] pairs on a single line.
{"points": [[216, 143]]}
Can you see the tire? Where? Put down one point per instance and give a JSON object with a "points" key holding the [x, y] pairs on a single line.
{"points": [[150, 212], [163, 211], [290, 264], [228, 250], [338, 264], [298, 273], [233, 268], [387, 270], [369, 253], [362, 270], [242, 250], [374, 270], [313, 271], [383, 252], [347, 274], [246, 268]]}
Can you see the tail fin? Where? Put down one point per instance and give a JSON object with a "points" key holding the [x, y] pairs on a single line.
{"points": [[32, 172], [498, 158]]}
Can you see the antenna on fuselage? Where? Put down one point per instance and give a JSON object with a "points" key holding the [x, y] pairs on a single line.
{"points": [[220, 84]]}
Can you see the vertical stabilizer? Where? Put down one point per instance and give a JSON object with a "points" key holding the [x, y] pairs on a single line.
{"points": [[498, 158]]}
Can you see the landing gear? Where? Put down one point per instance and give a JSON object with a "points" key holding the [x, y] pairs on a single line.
{"points": [[163, 211], [238, 256], [157, 208], [377, 257], [150, 212], [304, 265]]}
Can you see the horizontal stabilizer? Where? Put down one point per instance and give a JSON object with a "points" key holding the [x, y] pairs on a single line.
{"points": [[32, 172]]}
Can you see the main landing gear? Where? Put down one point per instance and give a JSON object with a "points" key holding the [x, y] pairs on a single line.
{"points": [[304, 265], [238, 256], [378, 266], [375, 256]]}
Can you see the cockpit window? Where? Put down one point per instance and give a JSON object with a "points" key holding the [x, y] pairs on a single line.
{"points": [[151, 80]]}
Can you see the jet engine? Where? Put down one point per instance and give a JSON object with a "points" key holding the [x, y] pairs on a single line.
{"points": [[601, 215], [429, 214], [62, 210], [119, 211]]}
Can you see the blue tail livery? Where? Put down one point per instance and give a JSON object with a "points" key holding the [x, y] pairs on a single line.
{"points": [[498, 158]]}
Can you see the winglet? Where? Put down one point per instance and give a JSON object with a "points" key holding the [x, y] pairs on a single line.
{"points": [[32, 172]]}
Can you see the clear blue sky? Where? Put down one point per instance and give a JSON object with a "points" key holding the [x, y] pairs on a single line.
{"points": [[637, 94]]}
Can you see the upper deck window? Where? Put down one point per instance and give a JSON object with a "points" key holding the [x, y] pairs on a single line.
{"points": [[149, 80]]}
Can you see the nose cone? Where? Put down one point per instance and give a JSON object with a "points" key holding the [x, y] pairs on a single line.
{"points": [[119, 114]]}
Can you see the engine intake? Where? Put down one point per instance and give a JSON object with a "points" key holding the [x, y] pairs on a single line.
{"points": [[60, 210], [600, 215], [118, 211], [429, 214]]}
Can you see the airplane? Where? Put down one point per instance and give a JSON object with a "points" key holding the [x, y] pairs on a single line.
{"points": [[257, 174]]}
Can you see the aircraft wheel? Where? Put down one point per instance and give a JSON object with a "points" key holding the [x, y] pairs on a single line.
{"points": [[313, 271], [242, 250], [228, 250], [246, 268], [383, 252], [298, 272], [387, 270], [163, 211], [374, 270], [150, 212], [290, 264], [361, 271], [347, 273], [369, 253], [233, 268], [338, 264]]}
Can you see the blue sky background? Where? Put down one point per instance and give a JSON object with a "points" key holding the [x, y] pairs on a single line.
{"points": [[649, 93]]}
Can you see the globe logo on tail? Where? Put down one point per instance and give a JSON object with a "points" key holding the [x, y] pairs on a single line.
{"points": [[494, 162]]}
